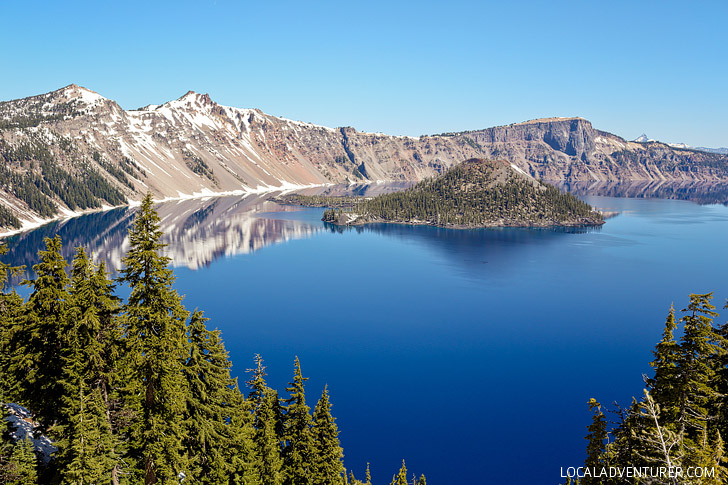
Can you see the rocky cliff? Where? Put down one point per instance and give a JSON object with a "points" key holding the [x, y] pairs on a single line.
{"points": [[73, 149]]}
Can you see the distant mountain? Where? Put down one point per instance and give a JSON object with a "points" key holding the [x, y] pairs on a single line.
{"points": [[73, 150], [684, 146], [475, 193], [721, 150], [643, 139]]}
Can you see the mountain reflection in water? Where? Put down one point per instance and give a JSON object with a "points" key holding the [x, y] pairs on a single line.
{"points": [[700, 192], [199, 231], [196, 232]]}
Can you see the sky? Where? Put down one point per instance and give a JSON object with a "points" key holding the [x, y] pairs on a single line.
{"points": [[401, 68]]}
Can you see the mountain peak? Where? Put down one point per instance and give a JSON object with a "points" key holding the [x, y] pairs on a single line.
{"points": [[643, 139], [74, 91], [194, 98]]}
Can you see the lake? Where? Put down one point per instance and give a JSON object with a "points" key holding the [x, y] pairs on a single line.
{"points": [[470, 354]]}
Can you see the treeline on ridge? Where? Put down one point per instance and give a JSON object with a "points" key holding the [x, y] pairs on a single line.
{"points": [[140, 391]]}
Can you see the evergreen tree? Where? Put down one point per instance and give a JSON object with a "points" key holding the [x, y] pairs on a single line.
{"points": [[664, 385], [11, 307], [720, 367], [39, 342], [401, 477], [266, 420], [268, 441], [298, 454], [155, 328], [698, 346], [596, 437], [241, 452], [257, 384], [328, 466], [88, 448], [22, 464], [209, 404], [422, 480]]}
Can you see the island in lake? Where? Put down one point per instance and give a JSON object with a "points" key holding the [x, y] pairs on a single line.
{"points": [[475, 193]]}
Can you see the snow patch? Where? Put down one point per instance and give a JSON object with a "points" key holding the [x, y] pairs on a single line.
{"points": [[23, 425]]}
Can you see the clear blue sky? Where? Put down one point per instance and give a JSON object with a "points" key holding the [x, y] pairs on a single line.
{"points": [[409, 68]]}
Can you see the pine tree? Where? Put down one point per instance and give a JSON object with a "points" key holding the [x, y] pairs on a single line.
{"points": [[368, 475], [328, 465], [698, 347], [422, 480], [88, 452], [720, 367], [38, 359], [22, 465], [155, 327], [257, 384], [266, 420], [88, 448], [268, 439], [596, 437], [209, 403], [401, 477], [11, 307], [298, 454], [241, 453], [664, 386]]}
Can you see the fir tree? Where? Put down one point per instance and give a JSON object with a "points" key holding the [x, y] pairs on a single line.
{"points": [[257, 384], [268, 441], [155, 328], [596, 437], [88, 448], [39, 344], [22, 464], [241, 452], [299, 451], [209, 403], [720, 367], [401, 477], [328, 466], [11, 307], [698, 346], [266, 420], [664, 385]]}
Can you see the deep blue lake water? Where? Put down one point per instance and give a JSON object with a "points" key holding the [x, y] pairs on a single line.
{"points": [[470, 354]]}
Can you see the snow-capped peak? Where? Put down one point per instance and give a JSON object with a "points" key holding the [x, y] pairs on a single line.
{"points": [[191, 99], [75, 92], [643, 139]]}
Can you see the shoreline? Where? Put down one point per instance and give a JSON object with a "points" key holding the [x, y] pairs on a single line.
{"points": [[67, 214], [354, 223]]}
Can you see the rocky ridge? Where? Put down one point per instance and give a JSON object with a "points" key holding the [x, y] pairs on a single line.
{"points": [[72, 138]]}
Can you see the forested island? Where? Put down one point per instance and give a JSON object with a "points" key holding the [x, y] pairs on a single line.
{"points": [[97, 390], [475, 193], [675, 432]]}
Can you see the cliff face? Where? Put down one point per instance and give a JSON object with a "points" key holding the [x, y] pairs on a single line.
{"points": [[570, 149], [73, 138]]}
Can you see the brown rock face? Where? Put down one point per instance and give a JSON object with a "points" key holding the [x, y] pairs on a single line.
{"points": [[563, 149]]}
